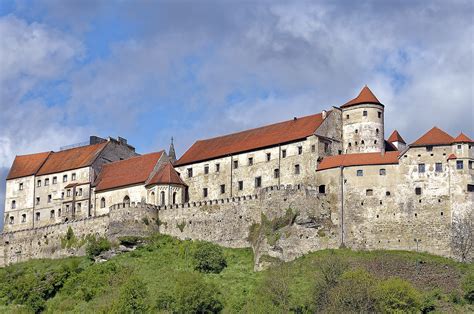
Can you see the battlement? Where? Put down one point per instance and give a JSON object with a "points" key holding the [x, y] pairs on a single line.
{"points": [[141, 205]]}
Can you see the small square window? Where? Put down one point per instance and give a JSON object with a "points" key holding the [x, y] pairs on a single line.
{"points": [[387, 193], [250, 161], [13, 204], [190, 172], [65, 178], [379, 114], [204, 192], [418, 191], [73, 177], [382, 172], [360, 173], [276, 173], [322, 189], [459, 164], [236, 164], [38, 216], [68, 193], [471, 164], [326, 148], [49, 198], [470, 187], [20, 186], [313, 148], [51, 214], [283, 153], [269, 156], [55, 180], [369, 192], [218, 167], [23, 218], [222, 188], [258, 182], [364, 113], [38, 183], [438, 167], [297, 169], [421, 168], [459, 146], [37, 201], [46, 182], [347, 117], [429, 148], [300, 150], [241, 185], [206, 169]]}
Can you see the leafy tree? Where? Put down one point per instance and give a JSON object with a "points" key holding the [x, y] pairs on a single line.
{"points": [[133, 297], [275, 287], [95, 246], [194, 295], [209, 258], [397, 295]]}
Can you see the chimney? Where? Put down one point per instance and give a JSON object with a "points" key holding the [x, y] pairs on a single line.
{"points": [[122, 140], [95, 140]]}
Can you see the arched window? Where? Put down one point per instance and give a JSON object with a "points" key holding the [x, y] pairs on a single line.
{"points": [[126, 199], [162, 198], [377, 131], [102, 202], [174, 198], [362, 142], [13, 204]]}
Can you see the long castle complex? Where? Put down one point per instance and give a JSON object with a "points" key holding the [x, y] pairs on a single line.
{"points": [[334, 173]]}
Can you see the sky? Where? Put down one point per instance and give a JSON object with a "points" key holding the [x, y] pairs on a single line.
{"points": [[150, 70]]}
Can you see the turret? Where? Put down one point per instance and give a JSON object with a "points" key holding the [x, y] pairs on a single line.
{"points": [[363, 124], [397, 140]]}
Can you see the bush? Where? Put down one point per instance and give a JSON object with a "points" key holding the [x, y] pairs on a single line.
{"points": [[95, 246], [468, 287], [275, 287], [331, 270], [194, 295], [209, 258], [397, 295], [133, 297]]}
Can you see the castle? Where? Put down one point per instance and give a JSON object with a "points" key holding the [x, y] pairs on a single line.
{"points": [[346, 184]]}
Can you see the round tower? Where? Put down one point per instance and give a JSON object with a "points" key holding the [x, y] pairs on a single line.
{"points": [[363, 124]]}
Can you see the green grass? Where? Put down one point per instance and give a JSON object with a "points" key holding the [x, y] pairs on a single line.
{"points": [[88, 287]]}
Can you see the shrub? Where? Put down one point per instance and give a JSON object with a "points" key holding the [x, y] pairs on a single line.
{"points": [[95, 246], [194, 295], [331, 269], [468, 287], [397, 295], [209, 258], [133, 297], [275, 287]]}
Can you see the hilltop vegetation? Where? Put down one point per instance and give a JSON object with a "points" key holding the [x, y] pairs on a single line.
{"points": [[171, 276]]}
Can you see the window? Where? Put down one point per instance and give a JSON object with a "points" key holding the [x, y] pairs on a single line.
{"points": [[49, 198], [360, 173], [79, 193], [73, 177], [326, 147], [190, 172], [459, 164], [162, 198], [369, 192], [65, 178], [258, 182], [362, 142], [313, 148], [55, 180], [37, 201], [300, 150], [241, 185], [382, 172], [206, 169], [38, 216], [387, 193], [218, 167], [429, 148], [12, 220], [250, 161], [379, 114], [364, 113], [67, 208], [59, 212], [269, 156], [204, 192], [283, 153], [23, 218], [438, 167], [470, 187], [174, 197], [471, 164], [126, 199], [46, 182], [350, 144], [68, 192], [377, 131], [13, 204], [375, 142], [38, 183], [297, 169], [347, 116], [236, 164], [459, 146], [276, 173], [79, 207], [322, 189], [222, 188], [62, 195], [418, 191], [102, 202], [20, 186], [421, 168], [51, 214]]}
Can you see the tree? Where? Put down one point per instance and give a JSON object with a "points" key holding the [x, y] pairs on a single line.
{"points": [[275, 287], [209, 258], [397, 296], [463, 235], [194, 295], [133, 297]]}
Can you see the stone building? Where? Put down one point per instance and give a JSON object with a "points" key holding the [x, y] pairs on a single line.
{"points": [[51, 187]]}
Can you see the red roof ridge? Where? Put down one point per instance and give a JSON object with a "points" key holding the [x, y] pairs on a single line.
{"points": [[435, 136], [396, 137], [27, 165], [365, 97], [462, 138], [360, 159]]}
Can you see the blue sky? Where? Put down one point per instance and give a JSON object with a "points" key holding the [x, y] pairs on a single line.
{"points": [[149, 70]]}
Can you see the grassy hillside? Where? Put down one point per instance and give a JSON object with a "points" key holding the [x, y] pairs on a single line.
{"points": [[161, 276]]}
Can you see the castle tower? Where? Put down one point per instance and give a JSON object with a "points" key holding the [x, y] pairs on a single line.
{"points": [[397, 140], [172, 152], [363, 124]]}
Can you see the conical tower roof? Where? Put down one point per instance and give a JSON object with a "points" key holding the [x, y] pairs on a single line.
{"points": [[365, 97], [172, 152], [396, 137], [462, 138]]}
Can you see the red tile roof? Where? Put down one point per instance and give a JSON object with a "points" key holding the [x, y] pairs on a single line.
{"points": [[135, 170], [435, 136], [365, 97], [452, 156], [396, 137], [70, 159], [27, 165], [362, 159], [166, 175], [462, 138], [261, 137]]}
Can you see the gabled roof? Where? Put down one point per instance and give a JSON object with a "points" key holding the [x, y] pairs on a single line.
{"points": [[266, 136], [27, 165], [365, 97], [362, 159], [132, 171], [435, 136], [166, 175], [70, 159], [396, 137], [452, 156], [462, 138]]}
